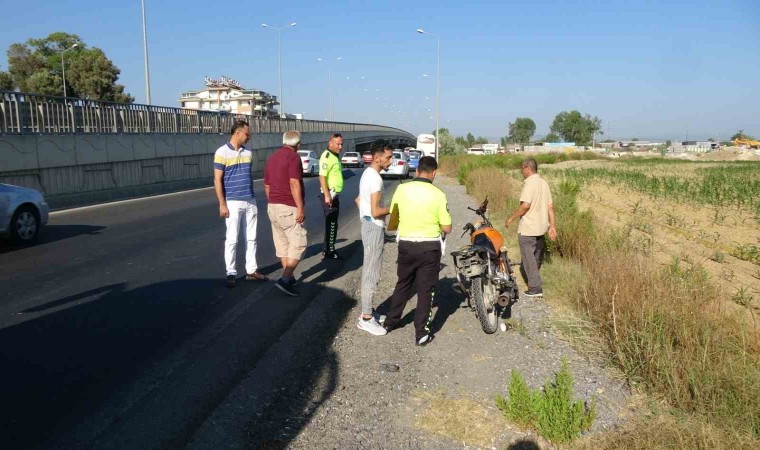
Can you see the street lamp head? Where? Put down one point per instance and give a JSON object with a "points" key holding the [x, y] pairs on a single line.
{"points": [[339, 58], [420, 30], [292, 24], [265, 25], [319, 59], [75, 45]]}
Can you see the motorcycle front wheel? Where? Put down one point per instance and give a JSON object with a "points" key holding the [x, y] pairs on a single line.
{"points": [[489, 319]]}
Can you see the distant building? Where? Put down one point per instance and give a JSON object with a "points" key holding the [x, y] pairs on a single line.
{"points": [[630, 144], [227, 95], [559, 144], [483, 149], [551, 147], [490, 149], [694, 146]]}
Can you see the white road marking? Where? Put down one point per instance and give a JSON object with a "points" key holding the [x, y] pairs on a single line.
{"points": [[132, 200]]}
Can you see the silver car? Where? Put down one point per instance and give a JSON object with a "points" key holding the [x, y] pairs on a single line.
{"points": [[23, 212], [399, 166], [309, 162]]}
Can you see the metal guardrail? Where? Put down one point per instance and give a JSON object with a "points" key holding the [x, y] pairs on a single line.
{"points": [[31, 114]]}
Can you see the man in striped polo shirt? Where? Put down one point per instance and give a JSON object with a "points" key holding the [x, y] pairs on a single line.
{"points": [[233, 184]]}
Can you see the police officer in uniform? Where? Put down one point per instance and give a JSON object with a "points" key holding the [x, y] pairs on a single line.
{"points": [[331, 182], [423, 218]]}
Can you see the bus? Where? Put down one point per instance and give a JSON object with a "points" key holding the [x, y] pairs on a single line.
{"points": [[426, 144]]}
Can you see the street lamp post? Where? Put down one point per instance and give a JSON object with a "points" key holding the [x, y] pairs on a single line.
{"points": [[63, 67], [437, 84], [145, 52], [279, 58], [329, 86]]}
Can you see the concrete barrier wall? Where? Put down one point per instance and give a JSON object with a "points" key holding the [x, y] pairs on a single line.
{"points": [[80, 169]]}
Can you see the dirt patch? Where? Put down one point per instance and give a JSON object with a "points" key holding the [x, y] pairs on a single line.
{"points": [[458, 419], [728, 154]]}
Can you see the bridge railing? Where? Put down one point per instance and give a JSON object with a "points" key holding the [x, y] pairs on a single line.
{"points": [[22, 113]]}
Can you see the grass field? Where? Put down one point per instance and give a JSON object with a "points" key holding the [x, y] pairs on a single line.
{"points": [[657, 259]]}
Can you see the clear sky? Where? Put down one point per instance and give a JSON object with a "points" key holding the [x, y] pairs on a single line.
{"points": [[649, 69]]}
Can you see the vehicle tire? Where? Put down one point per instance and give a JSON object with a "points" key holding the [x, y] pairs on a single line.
{"points": [[25, 225], [489, 320]]}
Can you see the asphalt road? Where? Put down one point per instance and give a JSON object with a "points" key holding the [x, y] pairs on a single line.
{"points": [[116, 329]]}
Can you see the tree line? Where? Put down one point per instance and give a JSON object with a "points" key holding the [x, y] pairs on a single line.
{"points": [[450, 144], [35, 67], [568, 126]]}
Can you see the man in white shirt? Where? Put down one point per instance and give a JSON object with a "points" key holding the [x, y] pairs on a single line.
{"points": [[372, 216]]}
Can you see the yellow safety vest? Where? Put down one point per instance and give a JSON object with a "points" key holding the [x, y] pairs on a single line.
{"points": [[422, 209]]}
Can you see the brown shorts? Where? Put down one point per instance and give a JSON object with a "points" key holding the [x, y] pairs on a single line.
{"points": [[289, 236]]}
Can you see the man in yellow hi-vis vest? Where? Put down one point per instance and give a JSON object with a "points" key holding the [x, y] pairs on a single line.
{"points": [[423, 218], [331, 182]]}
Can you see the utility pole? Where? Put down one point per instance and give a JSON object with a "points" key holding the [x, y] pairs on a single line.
{"points": [[145, 50]]}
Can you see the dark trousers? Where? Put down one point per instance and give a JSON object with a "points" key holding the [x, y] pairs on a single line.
{"points": [[531, 256], [418, 264], [331, 224]]}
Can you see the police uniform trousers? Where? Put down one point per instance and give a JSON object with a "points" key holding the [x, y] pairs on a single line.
{"points": [[331, 224], [417, 270]]}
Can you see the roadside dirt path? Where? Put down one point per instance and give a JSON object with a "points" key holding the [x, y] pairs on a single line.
{"points": [[442, 395]]}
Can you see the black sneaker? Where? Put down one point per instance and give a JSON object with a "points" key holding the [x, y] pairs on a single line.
{"points": [[286, 287], [230, 281], [332, 255], [424, 340]]}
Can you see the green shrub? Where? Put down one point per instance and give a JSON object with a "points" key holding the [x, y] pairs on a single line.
{"points": [[551, 411]]}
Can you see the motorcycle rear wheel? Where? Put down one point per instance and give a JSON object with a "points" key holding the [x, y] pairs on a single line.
{"points": [[489, 321]]}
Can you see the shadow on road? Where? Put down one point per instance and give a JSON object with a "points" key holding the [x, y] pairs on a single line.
{"points": [[52, 233], [329, 269], [447, 300], [524, 444], [72, 362]]}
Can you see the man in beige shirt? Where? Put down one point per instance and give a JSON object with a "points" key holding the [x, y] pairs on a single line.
{"points": [[536, 213]]}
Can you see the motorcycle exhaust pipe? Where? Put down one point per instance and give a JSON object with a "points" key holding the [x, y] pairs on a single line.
{"points": [[503, 300]]}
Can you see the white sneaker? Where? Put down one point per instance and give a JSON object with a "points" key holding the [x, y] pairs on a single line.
{"points": [[379, 317], [371, 326]]}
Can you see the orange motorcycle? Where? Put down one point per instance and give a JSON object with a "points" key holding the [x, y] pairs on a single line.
{"points": [[484, 271]]}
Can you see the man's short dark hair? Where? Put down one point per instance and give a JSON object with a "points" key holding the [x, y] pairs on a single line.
{"points": [[532, 163], [427, 164], [336, 136], [238, 125], [380, 146]]}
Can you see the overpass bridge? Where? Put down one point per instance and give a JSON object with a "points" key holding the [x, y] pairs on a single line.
{"points": [[79, 151]]}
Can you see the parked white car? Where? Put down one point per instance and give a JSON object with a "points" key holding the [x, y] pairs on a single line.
{"points": [[352, 159], [23, 212], [309, 162], [399, 167]]}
